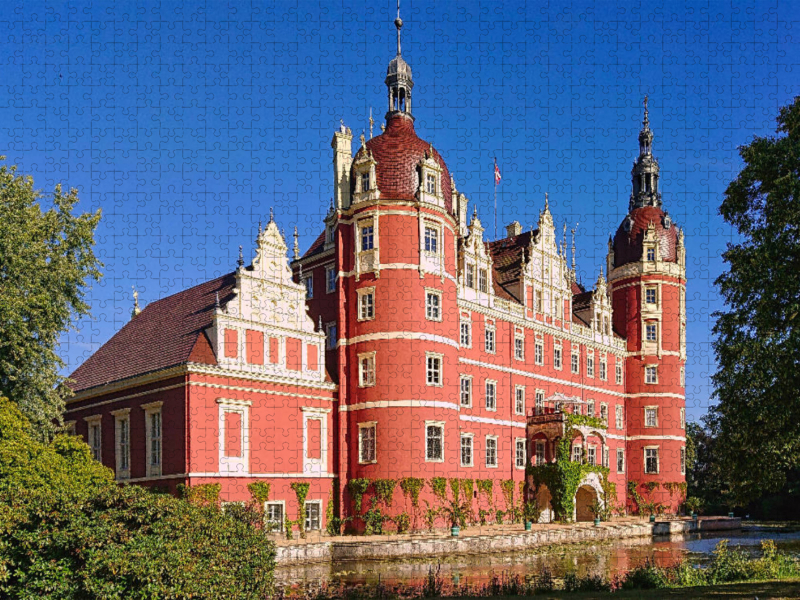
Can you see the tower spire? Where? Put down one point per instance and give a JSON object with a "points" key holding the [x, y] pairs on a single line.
{"points": [[645, 173], [398, 22], [398, 78]]}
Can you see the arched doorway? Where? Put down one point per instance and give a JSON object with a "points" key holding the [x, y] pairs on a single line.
{"points": [[584, 498]]}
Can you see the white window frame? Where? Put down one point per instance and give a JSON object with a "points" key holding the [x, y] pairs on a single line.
{"points": [[490, 337], [366, 377], [469, 275], [577, 453], [494, 439], [462, 392], [470, 437], [369, 236], [330, 282], [619, 416], [604, 412], [519, 345], [122, 450], [650, 253], [438, 372], [603, 368], [268, 521], [647, 290], [362, 294], [315, 466], [590, 408], [538, 351], [683, 376], [575, 362], [365, 181], [651, 332], [683, 418], [321, 515], [483, 280], [95, 444], [465, 326], [308, 284], [620, 459], [539, 402], [605, 457], [590, 364], [651, 410], [436, 239], [618, 368], [362, 427], [519, 394], [236, 465], [558, 356], [433, 310], [658, 460], [490, 384], [430, 183], [543, 453], [517, 463], [591, 455], [648, 370], [151, 409], [440, 425]]}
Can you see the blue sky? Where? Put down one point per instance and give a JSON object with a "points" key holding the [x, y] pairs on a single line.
{"points": [[186, 122]]}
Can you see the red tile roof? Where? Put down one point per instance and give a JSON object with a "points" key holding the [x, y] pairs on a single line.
{"points": [[508, 258], [628, 244], [162, 335], [317, 247]]}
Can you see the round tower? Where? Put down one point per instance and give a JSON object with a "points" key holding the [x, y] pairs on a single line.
{"points": [[647, 278]]}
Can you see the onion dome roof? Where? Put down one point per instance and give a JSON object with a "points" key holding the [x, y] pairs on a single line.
{"points": [[628, 239]]}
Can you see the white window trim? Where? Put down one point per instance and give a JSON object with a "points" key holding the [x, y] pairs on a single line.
{"points": [[655, 367], [683, 418], [283, 512], [151, 409], [603, 368], [682, 459], [524, 452], [496, 452], [441, 368], [316, 466], [362, 383], [437, 293], [471, 437], [360, 293], [536, 406], [619, 417], [321, 514], [602, 406], [558, 346], [235, 464], [121, 415], [590, 360], [435, 226], [465, 320], [577, 362], [96, 420], [486, 393], [654, 408], [538, 357], [487, 327], [517, 389], [658, 460], [425, 437], [471, 390], [622, 450], [590, 449], [519, 336], [361, 427]]}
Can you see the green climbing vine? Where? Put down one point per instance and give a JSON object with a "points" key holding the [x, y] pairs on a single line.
{"points": [[455, 487], [485, 487], [357, 488], [384, 490], [439, 487], [259, 490], [301, 491], [412, 486], [204, 494]]}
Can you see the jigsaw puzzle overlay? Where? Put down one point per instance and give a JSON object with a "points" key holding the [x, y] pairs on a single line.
{"points": [[340, 247]]}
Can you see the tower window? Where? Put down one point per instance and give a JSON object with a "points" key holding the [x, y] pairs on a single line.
{"points": [[431, 240], [366, 309], [365, 182], [466, 392], [651, 335], [651, 461], [650, 295], [433, 308], [650, 374], [430, 183], [434, 442], [651, 254], [366, 442], [434, 369], [366, 370], [650, 416], [367, 238]]}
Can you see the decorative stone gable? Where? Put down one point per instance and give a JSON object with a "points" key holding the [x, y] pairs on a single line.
{"points": [[430, 180], [547, 276], [264, 328], [475, 266], [601, 307], [366, 178]]}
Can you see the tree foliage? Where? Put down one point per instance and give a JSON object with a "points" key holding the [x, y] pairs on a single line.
{"points": [[67, 531], [46, 259], [757, 345]]}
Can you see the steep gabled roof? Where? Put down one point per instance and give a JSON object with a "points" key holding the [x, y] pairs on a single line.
{"points": [[508, 260], [317, 247], [162, 335]]}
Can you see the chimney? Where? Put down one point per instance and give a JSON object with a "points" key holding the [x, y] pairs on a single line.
{"points": [[342, 159], [513, 229]]}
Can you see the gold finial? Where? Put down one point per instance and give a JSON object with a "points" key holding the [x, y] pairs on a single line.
{"points": [[136, 310], [371, 122]]}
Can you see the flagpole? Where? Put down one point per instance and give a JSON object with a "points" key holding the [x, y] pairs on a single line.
{"points": [[494, 176]]}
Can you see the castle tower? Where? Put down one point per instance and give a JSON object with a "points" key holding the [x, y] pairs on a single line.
{"points": [[647, 279]]}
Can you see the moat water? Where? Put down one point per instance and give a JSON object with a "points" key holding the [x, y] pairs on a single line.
{"points": [[603, 558]]}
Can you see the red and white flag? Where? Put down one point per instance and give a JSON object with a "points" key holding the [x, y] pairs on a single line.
{"points": [[497, 176]]}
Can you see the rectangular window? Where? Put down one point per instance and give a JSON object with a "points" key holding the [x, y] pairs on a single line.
{"points": [[538, 352], [592, 455], [620, 460], [330, 280], [470, 276], [590, 408], [489, 339], [650, 416], [483, 280], [651, 461], [603, 367], [365, 182], [539, 402], [620, 418], [575, 363], [430, 183], [123, 446], [367, 238], [651, 254], [605, 457], [619, 372], [308, 282], [683, 418], [366, 309], [273, 513], [650, 374], [519, 347], [604, 413], [366, 442], [466, 333], [683, 461], [434, 442], [330, 336], [95, 437], [434, 369], [519, 400], [519, 453], [683, 376], [491, 451], [431, 240], [313, 515], [650, 332], [590, 366], [154, 424], [466, 392], [577, 454], [233, 434], [313, 438], [491, 395], [539, 301], [650, 295], [557, 357], [433, 308], [540, 457], [366, 370], [466, 450]]}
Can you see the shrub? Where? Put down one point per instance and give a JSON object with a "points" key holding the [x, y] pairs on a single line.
{"points": [[645, 577]]}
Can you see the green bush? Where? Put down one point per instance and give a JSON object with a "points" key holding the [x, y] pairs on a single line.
{"points": [[68, 531]]}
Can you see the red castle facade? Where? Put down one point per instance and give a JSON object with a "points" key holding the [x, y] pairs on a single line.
{"points": [[403, 344]]}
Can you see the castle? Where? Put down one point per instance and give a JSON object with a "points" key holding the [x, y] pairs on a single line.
{"points": [[403, 344]]}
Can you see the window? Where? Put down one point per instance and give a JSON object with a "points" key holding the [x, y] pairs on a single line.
{"points": [[491, 451], [313, 515], [433, 308], [683, 418], [330, 336], [367, 238], [683, 461], [519, 347], [592, 459], [152, 416], [650, 295], [95, 437], [365, 182], [519, 400], [650, 332], [651, 461], [519, 453], [491, 395], [620, 460], [466, 333], [366, 442], [366, 370], [575, 363], [538, 352], [540, 457], [330, 280], [539, 301], [434, 369], [650, 416], [489, 338], [431, 240], [604, 413], [605, 456], [650, 374], [122, 432], [366, 304], [233, 440], [651, 254], [434, 442], [620, 417], [430, 183], [466, 449], [590, 365], [466, 391], [577, 454], [539, 402], [483, 280], [557, 357], [590, 408], [619, 371], [308, 282], [683, 376], [603, 368], [470, 276], [273, 512]]}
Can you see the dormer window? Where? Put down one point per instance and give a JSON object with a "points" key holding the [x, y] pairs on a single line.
{"points": [[483, 280], [365, 182], [367, 238], [430, 183], [470, 276], [651, 254]]}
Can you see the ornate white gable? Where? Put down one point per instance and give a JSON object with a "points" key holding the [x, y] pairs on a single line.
{"points": [[475, 266]]}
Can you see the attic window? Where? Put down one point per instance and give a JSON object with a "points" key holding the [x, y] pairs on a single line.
{"points": [[430, 183], [365, 182], [483, 280], [651, 254]]}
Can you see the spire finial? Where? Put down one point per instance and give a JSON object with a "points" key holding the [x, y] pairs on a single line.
{"points": [[573, 248], [319, 323], [398, 22], [259, 228], [371, 122], [136, 310], [216, 301], [271, 215], [646, 121], [546, 201], [296, 244], [240, 262]]}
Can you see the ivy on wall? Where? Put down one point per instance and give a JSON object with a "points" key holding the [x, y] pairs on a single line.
{"points": [[204, 494], [412, 486], [259, 490], [357, 488]]}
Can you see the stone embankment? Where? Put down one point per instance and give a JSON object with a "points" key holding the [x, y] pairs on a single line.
{"points": [[477, 540]]}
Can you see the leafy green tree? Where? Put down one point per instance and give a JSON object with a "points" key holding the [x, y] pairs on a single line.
{"points": [[757, 346], [46, 259]]}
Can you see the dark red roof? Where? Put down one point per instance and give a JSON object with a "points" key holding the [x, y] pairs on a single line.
{"points": [[398, 151], [508, 257], [628, 244], [581, 301], [162, 335], [317, 247]]}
